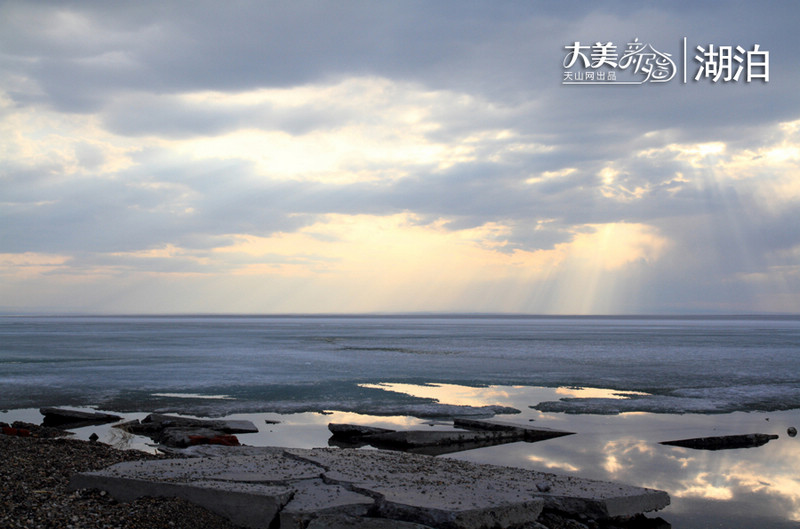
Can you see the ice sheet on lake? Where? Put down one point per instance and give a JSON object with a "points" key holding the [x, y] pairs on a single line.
{"points": [[695, 400]]}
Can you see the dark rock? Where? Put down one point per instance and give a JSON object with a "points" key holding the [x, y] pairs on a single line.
{"points": [[725, 442], [524, 432], [19, 432], [36, 430], [792, 431], [62, 418], [223, 440], [226, 426], [350, 431], [94, 437], [180, 432], [477, 434]]}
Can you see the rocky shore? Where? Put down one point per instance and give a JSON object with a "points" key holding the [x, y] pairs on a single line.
{"points": [[38, 463], [35, 468]]}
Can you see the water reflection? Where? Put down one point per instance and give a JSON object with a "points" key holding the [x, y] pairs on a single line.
{"points": [[742, 488]]}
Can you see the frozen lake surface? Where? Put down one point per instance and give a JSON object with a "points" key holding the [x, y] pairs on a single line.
{"points": [[285, 364]]}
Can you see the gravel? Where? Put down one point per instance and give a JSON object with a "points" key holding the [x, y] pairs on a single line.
{"points": [[35, 471]]}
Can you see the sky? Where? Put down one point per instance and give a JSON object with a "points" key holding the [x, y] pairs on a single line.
{"points": [[398, 156]]}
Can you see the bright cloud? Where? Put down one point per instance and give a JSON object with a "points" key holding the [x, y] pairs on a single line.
{"points": [[386, 158]]}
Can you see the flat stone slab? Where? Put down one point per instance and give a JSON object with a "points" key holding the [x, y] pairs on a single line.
{"points": [[75, 418], [268, 466], [180, 432], [314, 498], [425, 479], [349, 431], [527, 432], [724, 442], [473, 433], [221, 425], [245, 504], [295, 487], [350, 522]]}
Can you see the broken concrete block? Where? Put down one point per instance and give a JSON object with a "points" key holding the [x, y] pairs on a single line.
{"points": [[314, 498], [350, 522], [297, 486], [389, 473], [246, 504]]}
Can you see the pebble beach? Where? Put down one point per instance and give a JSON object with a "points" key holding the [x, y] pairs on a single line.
{"points": [[35, 470]]}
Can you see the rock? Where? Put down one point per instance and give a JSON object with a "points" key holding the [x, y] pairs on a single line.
{"points": [[223, 440], [792, 431], [183, 437], [350, 431], [75, 418], [94, 437], [437, 442], [413, 480], [478, 434], [526, 432], [725, 442], [19, 432], [34, 430], [341, 489], [180, 432], [333, 521], [224, 425]]}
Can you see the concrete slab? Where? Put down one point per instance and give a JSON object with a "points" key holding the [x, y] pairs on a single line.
{"points": [[245, 504], [414, 478], [292, 487], [426, 490], [349, 522], [270, 467], [314, 498]]}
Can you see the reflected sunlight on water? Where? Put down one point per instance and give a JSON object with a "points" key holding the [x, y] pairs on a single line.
{"points": [[724, 488]]}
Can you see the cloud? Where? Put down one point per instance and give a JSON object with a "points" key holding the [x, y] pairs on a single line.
{"points": [[146, 140]]}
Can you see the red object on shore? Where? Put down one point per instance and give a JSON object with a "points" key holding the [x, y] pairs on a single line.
{"points": [[225, 440], [19, 432]]}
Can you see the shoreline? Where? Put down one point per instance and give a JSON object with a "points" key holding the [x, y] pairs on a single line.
{"points": [[622, 448], [39, 463]]}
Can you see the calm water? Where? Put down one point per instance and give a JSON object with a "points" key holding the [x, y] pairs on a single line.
{"points": [[639, 377]]}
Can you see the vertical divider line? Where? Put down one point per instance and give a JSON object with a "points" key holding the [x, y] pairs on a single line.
{"points": [[684, 60]]}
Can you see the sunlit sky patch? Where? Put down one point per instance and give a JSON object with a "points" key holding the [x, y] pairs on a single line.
{"points": [[393, 156]]}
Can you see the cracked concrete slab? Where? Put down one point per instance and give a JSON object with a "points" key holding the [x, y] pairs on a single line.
{"points": [[245, 504], [390, 473], [349, 522], [314, 498], [292, 487]]}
